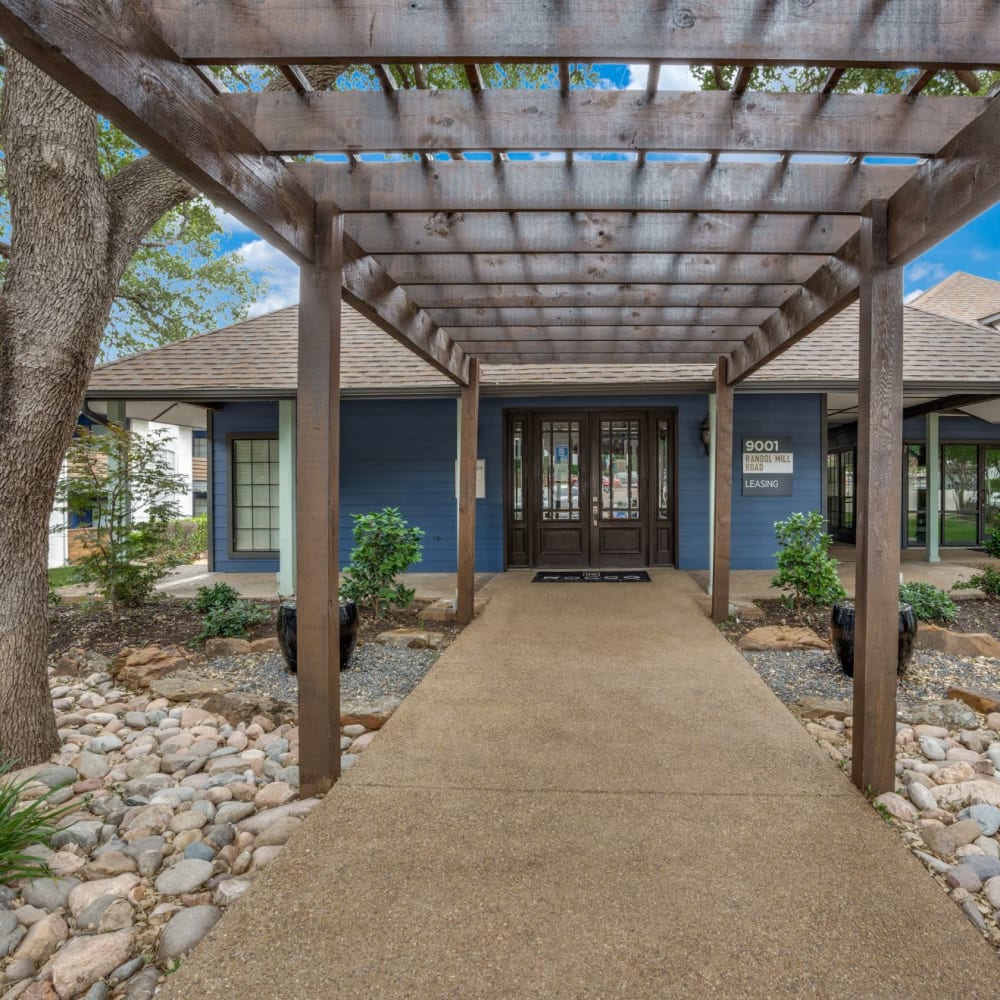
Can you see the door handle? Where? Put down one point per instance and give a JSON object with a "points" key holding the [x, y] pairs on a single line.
{"points": [[595, 508]]}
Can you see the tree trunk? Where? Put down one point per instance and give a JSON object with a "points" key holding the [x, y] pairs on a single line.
{"points": [[73, 232]]}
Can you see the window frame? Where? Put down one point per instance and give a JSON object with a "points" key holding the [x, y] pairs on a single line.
{"points": [[232, 551]]}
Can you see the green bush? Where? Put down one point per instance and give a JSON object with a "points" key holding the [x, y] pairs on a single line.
{"points": [[987, 580], [187, 538], [805, 568], [219, 595], [992, 543], [23, 824], [384, 545], [234, 620], [929, 603]]}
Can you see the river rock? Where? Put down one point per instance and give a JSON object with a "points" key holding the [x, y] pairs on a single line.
{"points": [[277, 833], [185, 876], [85, 834], [896, 806], [184, 930], [48, 893], [11, 933], [781, 637], [932, 748], [233, 812], [964, 877], [986, 868], [988, 818], [85, 960], [89, 892], [42, 939], [948, 714], [920, 796], [936, 836]]}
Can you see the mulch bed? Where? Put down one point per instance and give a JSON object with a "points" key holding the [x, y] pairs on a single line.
{"points": [[974, 615], [169, 621]]}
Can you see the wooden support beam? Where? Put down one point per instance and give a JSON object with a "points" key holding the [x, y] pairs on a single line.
{"points": [[592, 268], [538, 296], [317, 508], [493, 321], [109, 57], [920, 80], [722, 501], [880, 441], [374, 294], [474, 78], [831, 81], [672, 121], [600, 340], [297, 79], [465, 604], [742, 81], [798, 188], [600, 232], [969, 80], [621, 356], [958, 33], [383, 73]]}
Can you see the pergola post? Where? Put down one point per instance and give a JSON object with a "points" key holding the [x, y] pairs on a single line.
{"points": [[286, 497], [722, 501], [465, 605], [880, 440], [317, 504]]}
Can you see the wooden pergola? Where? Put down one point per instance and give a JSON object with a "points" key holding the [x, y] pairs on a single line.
{"points": [[471, 260]]}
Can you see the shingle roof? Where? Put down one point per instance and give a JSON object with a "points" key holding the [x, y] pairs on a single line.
{"points": [[961, 296], [257, 359]]}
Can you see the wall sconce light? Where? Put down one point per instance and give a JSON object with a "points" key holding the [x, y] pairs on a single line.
{"points": [[706, 434]]}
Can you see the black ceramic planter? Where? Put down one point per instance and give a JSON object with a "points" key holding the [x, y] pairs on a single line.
{"points": [[288, 633], [842, 634]]}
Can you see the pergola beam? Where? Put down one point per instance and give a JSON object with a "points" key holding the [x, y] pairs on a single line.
{"points": [[559, 355], [622, 336], [956, 33], [689, 318], [470, 186], [595, 120], [625, 295], [597, 232], [109, 57], [665, 269]]}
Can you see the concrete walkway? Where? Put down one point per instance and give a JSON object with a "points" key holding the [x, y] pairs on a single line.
{"points": [[591, 795]]}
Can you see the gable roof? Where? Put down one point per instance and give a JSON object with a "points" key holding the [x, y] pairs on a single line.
{"points": [[962, 296], [257, 359]]}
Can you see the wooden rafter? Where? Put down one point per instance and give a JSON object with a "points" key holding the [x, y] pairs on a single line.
{"points": [[494, 319], [962, 34], [611, 187], [677, 121], [549, 268], [674, 337], [620, 354], [595, 232]]}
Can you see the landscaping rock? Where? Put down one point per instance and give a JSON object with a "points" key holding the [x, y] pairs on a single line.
{"points": [[988, 818], [48, 893], [896, 806], [241, 706], [781, 637], [139, 668], [948, 714], [187, 688], [42, 939], [185, 929], [185, 876], [11, 933], [269, 645], [822, 708], [410, 638], [979, 701], [225, 646], [957, 643], [85, 960]]}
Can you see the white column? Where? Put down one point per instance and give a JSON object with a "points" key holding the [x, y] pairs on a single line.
{"points": [[933, 489], [711, 490], [286, 497]]}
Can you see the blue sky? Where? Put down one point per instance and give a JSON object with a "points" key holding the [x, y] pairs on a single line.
{"points": [[975, 248]]}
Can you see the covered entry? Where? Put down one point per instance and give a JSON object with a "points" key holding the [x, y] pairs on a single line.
{"points": [[590, 488]]}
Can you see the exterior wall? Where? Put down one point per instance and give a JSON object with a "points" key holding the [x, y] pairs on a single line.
{"points": [[798, 417], [965, 429], [402, 453]]}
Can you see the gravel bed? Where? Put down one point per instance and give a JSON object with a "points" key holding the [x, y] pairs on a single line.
{"points": [[811, 673], [376, 672]]}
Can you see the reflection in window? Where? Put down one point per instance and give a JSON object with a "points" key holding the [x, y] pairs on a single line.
{"points": [[560, 470], [255, 495], [663, 449], [620, 470], [517, 471]]}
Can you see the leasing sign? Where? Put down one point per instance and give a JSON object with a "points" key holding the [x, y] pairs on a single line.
{"points": [[767, 466]]}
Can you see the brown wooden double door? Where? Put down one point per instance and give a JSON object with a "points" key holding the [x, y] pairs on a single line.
{"points": [[590, 488]]}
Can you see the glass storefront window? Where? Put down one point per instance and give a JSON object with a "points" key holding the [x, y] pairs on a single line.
{"points": [[517, 471], [560, 470], [619, 458], [916, 494], [959, 494]]}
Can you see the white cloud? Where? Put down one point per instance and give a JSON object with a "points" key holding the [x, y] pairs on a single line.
{"points": [[671, 78], [915, 294], [229, 224], [281, 274], [927, 272]]}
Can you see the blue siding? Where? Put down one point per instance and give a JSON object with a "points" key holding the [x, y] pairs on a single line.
{"points": [[798, 417], [953, 429], [401, 453], [235, 418]]}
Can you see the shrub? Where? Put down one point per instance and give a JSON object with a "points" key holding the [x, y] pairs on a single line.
{"points": [[992, 543], [24, 824], [929, 603], [187, 538], [233, 620], [384, 545], [804, 566], [219, 595], [987, 580]]}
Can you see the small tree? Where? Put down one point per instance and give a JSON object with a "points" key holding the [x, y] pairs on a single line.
{"points": [[123, 494], [804, 566], [384, 545]]}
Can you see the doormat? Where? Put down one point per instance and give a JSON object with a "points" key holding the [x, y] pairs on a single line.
{"points": [[592, 576]]}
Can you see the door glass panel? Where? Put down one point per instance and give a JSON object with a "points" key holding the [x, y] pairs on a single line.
{"points": [[619, 464], [960, 494], [663, 471], [560, 470], [991, 487], [517, 471], [916, 494]]}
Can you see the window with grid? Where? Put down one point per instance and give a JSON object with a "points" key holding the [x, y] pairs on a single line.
{"points": [[255, 495]]}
